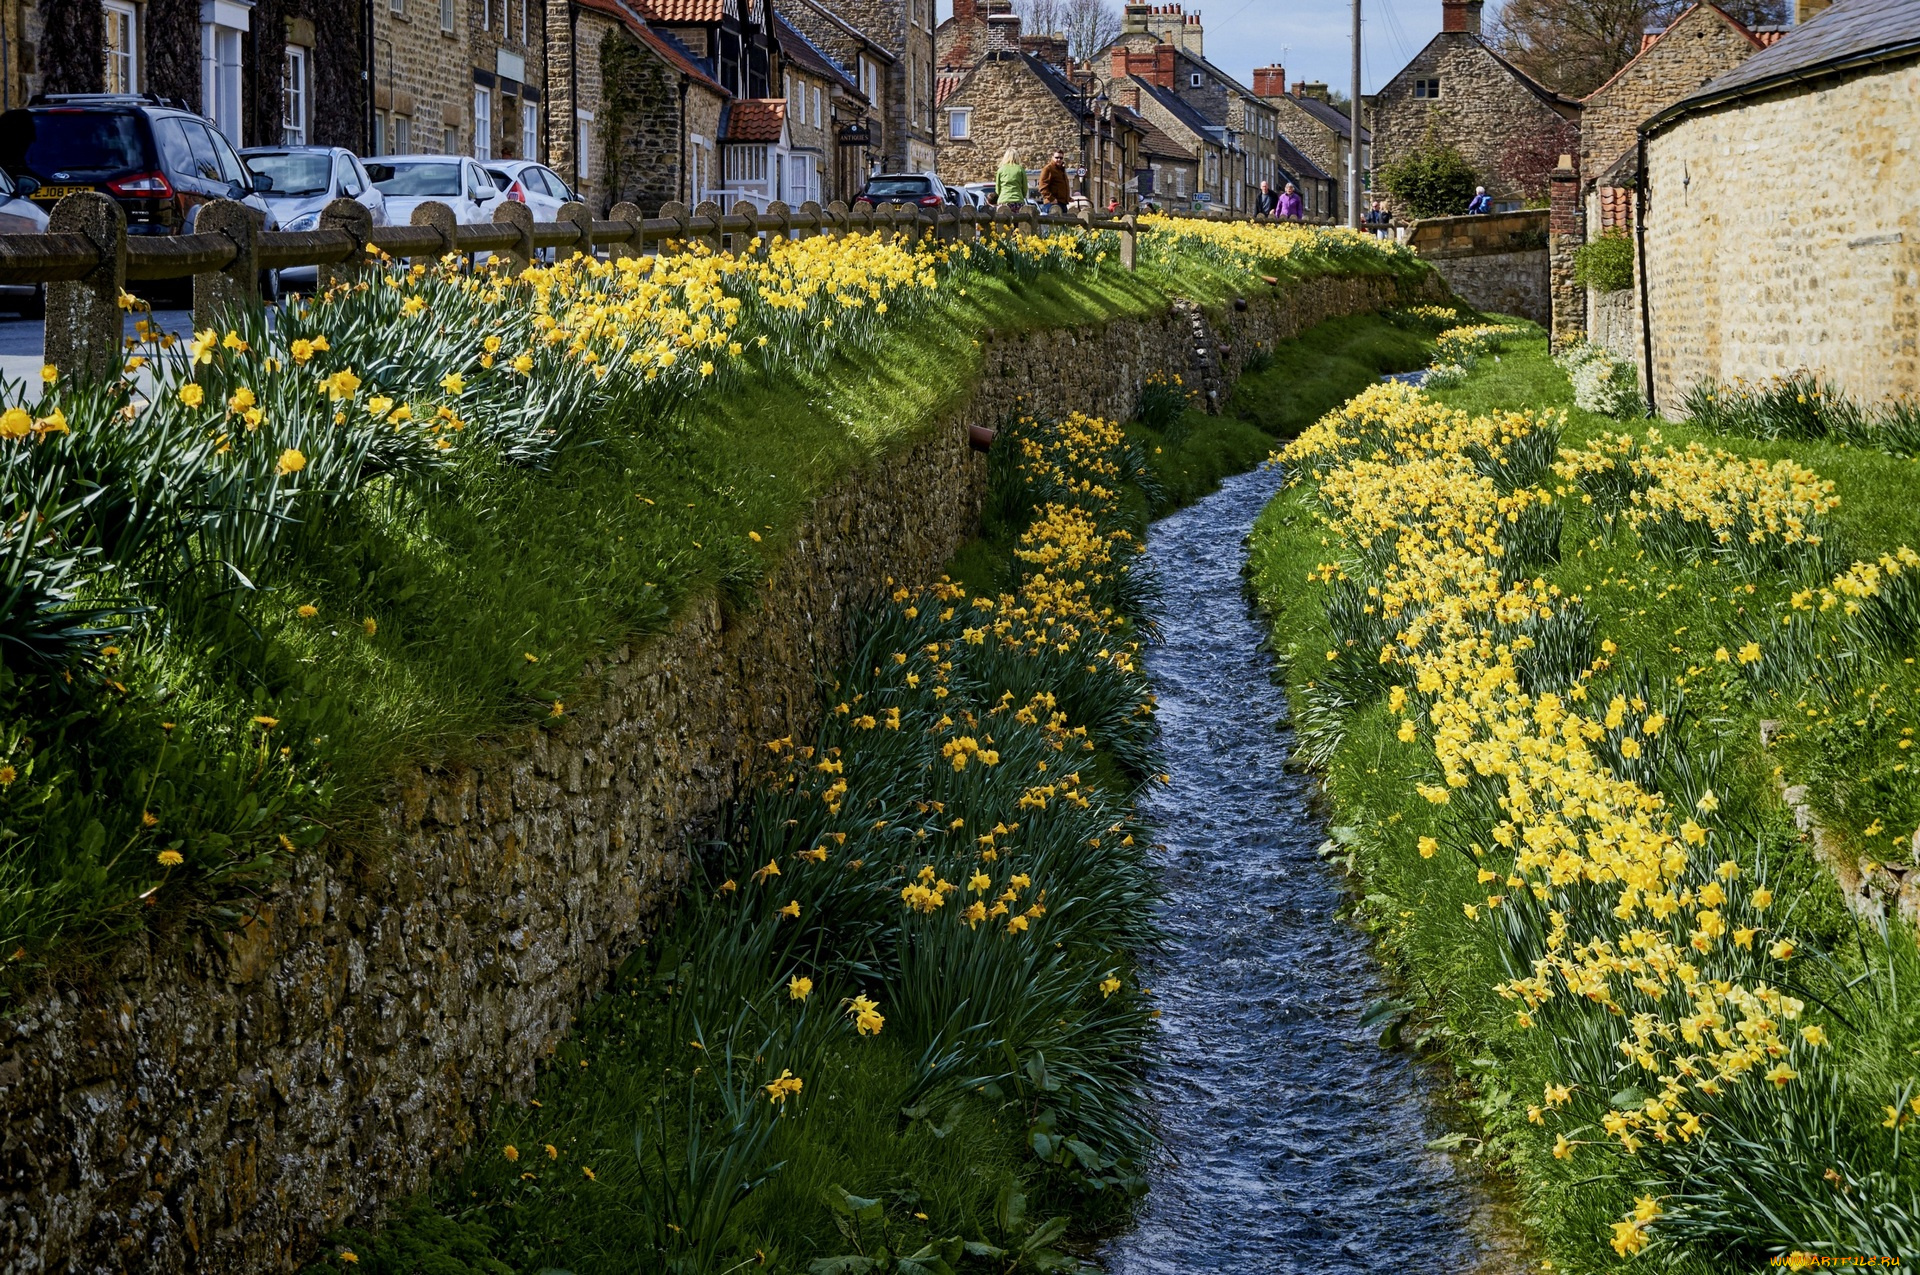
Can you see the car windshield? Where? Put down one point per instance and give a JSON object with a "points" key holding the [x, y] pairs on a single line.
{"points": [[899, 187], [294, 175], [427, 177], [82, 144]]}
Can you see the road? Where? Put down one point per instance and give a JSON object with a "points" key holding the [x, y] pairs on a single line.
{"points": [[23, 345]]}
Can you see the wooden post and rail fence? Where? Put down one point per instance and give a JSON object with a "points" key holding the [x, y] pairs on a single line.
{"points": [[86, 257]]}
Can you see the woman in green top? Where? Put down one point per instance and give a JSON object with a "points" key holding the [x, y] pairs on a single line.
{"points": [[1010, 183]]}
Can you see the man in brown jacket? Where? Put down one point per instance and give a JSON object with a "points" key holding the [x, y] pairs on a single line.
{"points": [[1053, 183]]}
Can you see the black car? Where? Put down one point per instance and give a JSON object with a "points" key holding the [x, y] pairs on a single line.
{"points": [[923, 189], [158, 159]]}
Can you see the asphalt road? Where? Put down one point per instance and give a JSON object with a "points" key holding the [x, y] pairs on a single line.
{"points": [[23, 341]]}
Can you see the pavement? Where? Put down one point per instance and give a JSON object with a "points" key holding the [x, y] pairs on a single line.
{"points": [[23, 341]]}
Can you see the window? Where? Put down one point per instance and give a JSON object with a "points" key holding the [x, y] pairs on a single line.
{"points": [[816, 107], [960, 123], [450, 141], [293, 98], [582, 127], [347, 177], [398, 6], [787, 89], [1196, 79], [1427, 88], [222, 24], [446, 16], [523, 22], [746, 164], [403, 134], [486, 15], [482, 123], [123, 47], [530, 130]]}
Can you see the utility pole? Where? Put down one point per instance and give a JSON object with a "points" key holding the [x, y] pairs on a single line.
{"points": [[1353, 144]]}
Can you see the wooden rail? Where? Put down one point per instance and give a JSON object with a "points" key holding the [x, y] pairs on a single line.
{"points": [[86, 257]]}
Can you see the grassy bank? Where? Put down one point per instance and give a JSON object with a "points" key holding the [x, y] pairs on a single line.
{"points": [[1533, 672], [403, 521]]}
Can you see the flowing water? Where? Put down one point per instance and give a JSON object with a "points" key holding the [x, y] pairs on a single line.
{"points": [[1292, 1141]]}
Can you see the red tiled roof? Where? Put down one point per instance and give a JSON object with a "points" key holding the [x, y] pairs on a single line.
{"points": [[675, 11], [756, 119], [1767, 36], [665, 49], [946, 84]]}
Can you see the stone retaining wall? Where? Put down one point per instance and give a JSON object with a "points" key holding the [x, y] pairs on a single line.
{"points": [[1497, 262], [194, 1112]]}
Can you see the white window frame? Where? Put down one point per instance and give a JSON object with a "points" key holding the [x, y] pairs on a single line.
{"points": [[960, 123], [450, 140], [530, 130], [582, 162], [403, 134], [816, 107], [523, 22], [124, 15], [482, 122], [446, 17], [486, 15], [745, 163], [296, 97], [1196, 80], [223, 66]]}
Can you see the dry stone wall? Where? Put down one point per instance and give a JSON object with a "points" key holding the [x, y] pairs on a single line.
{"points": [[194, 1110], [1497, 262]]}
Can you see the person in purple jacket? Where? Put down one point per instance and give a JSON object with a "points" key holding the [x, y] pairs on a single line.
{"points": [[1291, 205]]}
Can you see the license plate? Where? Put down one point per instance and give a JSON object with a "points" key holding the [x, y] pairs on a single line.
{"points": [[48, 194]]}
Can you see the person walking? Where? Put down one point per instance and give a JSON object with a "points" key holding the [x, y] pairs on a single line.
{"points": [[1291, 205], [1482, 202], [1010, 181], [1377, 220], [1266, 201], [1054, 190]]}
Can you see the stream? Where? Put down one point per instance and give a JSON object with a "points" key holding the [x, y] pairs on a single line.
{"points": [[1292, 1141]]}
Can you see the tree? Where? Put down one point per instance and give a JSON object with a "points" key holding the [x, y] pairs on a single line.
{"points": [[1433, 181], [1090, 25], [1575, 46]]}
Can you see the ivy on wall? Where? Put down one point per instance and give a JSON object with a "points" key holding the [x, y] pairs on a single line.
{"points": [[70, 44], [641, 159]]}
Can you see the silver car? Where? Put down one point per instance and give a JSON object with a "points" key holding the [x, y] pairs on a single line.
{"points": [[19, 216], [305, 180], [534, 184], [460, 183]]}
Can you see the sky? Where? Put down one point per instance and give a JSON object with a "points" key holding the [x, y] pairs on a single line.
{"points": [[1311, 38]]}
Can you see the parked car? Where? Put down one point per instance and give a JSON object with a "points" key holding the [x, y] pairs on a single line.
{"points": [[532, 184], [979, 194], [305, 180], [160, 161], [407, 181], [19, 215], [923, 189]]}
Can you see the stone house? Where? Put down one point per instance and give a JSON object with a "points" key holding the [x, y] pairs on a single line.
{"points": [[1699, 44], [1458, 91], [1013, 99], [1203, 145], [458, 77], [1781, 213], [860, 122], [1250, 126], [905, 100], [818, 95], [633, 115], [263, 70], [1174, 172], [1316, 185], [1312, 125]]}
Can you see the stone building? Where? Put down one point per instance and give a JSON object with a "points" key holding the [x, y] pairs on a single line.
{"points": [[1204, 146], [633, 115], [1782, 213], [818, 94], [1013, 99], [1174, 172], [265, 71], [459, 77], [1312, 125], [1457, 91], [904, 100], [1316, 185], [860, 124], [1249, 127]]}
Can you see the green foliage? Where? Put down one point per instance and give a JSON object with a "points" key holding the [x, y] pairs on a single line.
{"points": [[1605, 264], [1164, 399], [1434, 180]]}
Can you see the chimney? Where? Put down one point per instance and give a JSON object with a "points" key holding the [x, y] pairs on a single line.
{"points": [[1162, 66], [1460, 15], [1051, 49], [1270, 81], [1193, 36], [1314, 89], [1003, 33], [965, 10], [1807, 10], [1134, 21]]}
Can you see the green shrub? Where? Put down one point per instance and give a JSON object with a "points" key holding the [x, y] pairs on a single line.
{"points": [[1433, 181], [1605, 264]]}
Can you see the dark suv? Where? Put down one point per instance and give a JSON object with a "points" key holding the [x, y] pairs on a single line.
{"points": [[158, 159]]}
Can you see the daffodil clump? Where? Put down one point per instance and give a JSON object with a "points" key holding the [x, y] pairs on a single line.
{"points": [[1649, 961], [933, 902], [1273, 247]]}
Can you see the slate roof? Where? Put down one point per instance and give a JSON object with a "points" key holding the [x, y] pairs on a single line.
{"points": [[670, 50], [1293, 161], [755, 119], [1190, 119], [1330, 115], [1853, 33]]}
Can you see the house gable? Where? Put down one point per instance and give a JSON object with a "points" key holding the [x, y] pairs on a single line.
{"points": [[1702, 43]]}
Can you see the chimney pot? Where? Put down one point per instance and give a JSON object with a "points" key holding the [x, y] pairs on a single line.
{"points": [[1003, 33]]}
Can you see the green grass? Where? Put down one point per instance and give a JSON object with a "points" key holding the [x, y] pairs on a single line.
{"points": [[1322, 368], [1667, 619]]}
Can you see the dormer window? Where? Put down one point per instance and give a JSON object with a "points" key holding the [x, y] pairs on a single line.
{"points": [[1428, 89]]}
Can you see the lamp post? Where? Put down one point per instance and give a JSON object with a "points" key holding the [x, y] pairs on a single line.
{"points": [[1353, 143]]}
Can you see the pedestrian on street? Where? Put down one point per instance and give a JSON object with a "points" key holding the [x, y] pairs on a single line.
{"points": [[1010, 182], [1377, 220], [1482, 202], [1265, 203], [1291, 205], [1054, 190]]}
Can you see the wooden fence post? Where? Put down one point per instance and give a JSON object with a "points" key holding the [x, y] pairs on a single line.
{"points": [[778, 212], [439, 218], [356, 221], [513, 213], [83, 322], [743, 243], [628, 212], [582, 218], [837, 211]]}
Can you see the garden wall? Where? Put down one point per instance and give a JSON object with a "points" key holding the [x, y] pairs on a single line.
{"points": [[1496, 262], [193, 1110]]}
